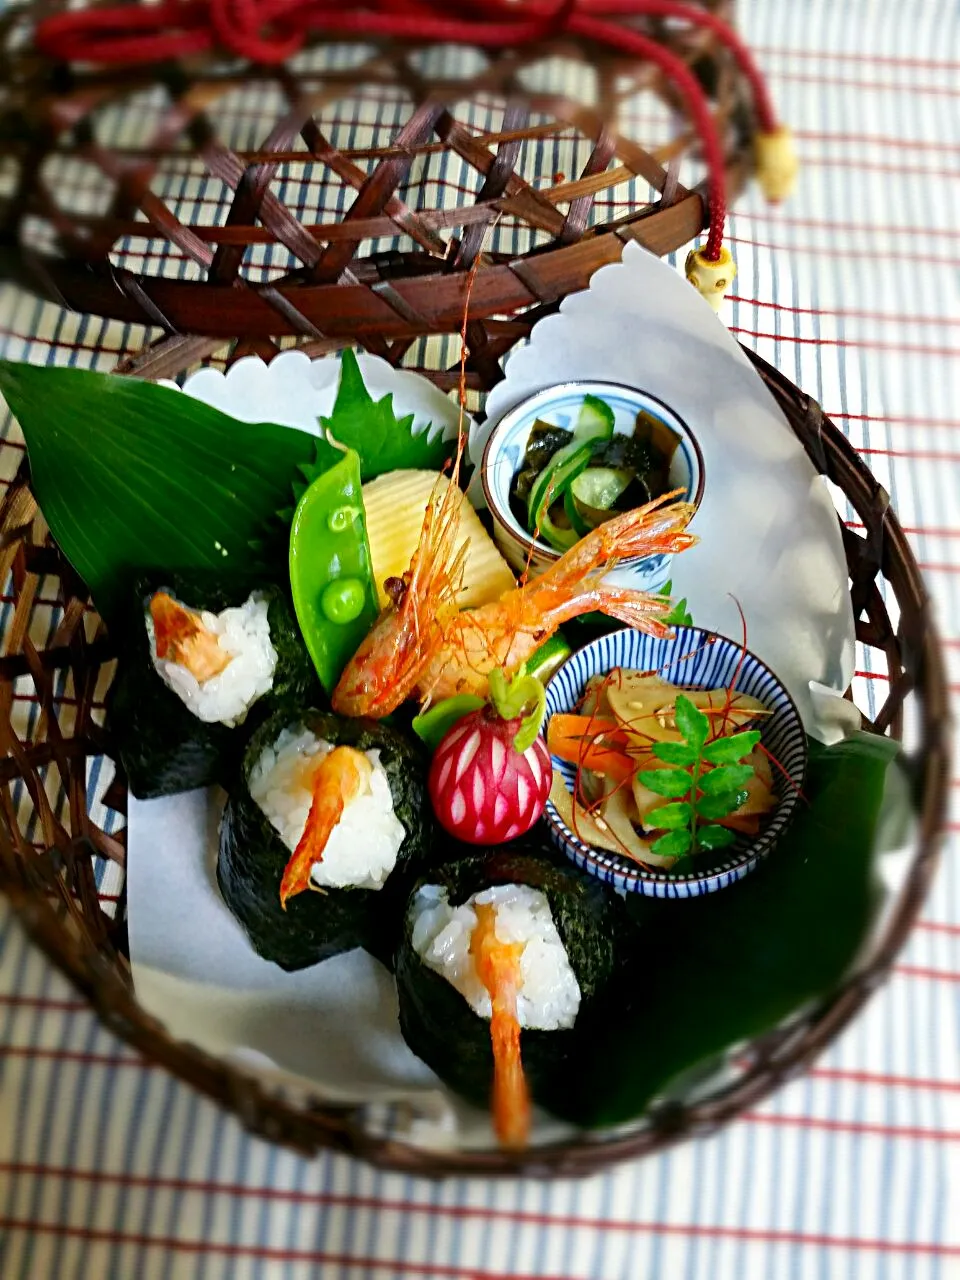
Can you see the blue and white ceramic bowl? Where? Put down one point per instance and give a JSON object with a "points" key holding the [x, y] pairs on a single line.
{"points": [[694, 659], [503, 458]]}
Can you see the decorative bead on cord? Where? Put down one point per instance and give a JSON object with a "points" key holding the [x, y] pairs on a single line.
{"points": [[270, 31]]}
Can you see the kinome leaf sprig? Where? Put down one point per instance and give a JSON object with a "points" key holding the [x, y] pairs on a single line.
{"points": [[699, 797]]}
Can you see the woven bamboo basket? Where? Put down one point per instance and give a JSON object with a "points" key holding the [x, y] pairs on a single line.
{"points": [[54, 845], [350, 195], [349, 199]]}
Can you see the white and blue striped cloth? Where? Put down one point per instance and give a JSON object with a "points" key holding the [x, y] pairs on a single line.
{"points": [[110, 1168]]}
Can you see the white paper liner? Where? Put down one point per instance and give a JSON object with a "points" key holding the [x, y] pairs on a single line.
{"points": [[770, 537]]}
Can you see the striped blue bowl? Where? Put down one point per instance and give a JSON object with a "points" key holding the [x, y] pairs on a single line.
{"points": [[694, 659], [560, 405]]}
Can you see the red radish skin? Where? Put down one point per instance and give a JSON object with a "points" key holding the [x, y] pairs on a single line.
{"points": [[483, 790]]}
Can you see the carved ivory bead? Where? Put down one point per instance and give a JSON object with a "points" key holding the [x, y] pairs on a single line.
{"points": [[712, 279]]}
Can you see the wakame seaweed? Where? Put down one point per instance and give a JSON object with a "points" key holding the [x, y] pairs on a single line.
{"points": [[643, 457], [163, 746], [318, 924]]}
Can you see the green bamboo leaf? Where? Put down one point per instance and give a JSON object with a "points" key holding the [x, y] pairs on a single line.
{"points": [[691, 722], [383, 441], [133, 477], [675, 753], [729, 777], [673, 845], [667, 782], [730, 749], [714, 837], [722, 805], [669, 816]]}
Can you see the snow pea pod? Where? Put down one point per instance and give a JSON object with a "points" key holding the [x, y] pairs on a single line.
{"points": [[331, 571]]}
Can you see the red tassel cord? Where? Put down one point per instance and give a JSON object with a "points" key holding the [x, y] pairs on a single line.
{"points": [[270, 31]]}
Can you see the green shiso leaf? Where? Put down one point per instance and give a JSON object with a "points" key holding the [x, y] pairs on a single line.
{"points": [[383, 441], [131, 476], [679, 615]]}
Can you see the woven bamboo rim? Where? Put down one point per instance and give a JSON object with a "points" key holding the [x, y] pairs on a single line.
{"points": [[51, 882], [336, 289]]}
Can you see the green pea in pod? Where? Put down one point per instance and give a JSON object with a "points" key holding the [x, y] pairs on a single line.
{"points": [[331, 571]]}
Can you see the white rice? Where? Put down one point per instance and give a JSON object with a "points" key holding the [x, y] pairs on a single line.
{"points": [[225, 698], [550, 994], [363, 846]]}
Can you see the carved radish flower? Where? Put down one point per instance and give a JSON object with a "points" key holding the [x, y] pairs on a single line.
{"points": [[490, 776]]}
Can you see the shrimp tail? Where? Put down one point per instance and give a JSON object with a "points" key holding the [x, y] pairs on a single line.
{"points": [[576, 583], [337, 780], [634, 609], [511, 1097], [498, 966], [657, 528]]}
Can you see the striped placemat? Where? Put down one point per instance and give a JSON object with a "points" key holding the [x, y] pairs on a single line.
{"points": [[111, 1168]]}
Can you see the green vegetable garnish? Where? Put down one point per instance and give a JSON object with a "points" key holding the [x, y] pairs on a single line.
{"points": [[679, 615], [600, 487], [331, 574], [543, 662], [577, 521], [550, 486], [594, 427], [691, 823], [432, 726], [383, 441], [590, 499], [523, 697], [343, 600]]}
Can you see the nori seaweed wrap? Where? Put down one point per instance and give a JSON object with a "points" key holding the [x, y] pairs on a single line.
{"points": [[439, 1024], [163, 746], [316, 925]]}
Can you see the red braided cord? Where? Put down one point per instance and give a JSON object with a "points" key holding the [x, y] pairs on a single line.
{"points": [[766, 115], [138, 33], [685, 12]]}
